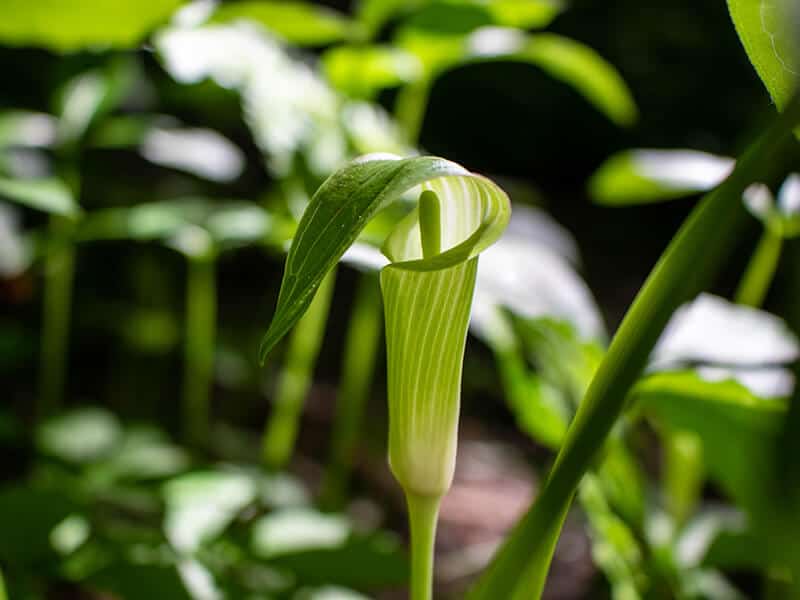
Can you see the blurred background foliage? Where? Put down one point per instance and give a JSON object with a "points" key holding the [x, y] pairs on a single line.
{"points": [[154, 160]]}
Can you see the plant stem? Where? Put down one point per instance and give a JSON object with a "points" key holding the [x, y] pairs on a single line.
{"points": [[59, 271], [360, 351], [295, 379], [423, 512], [692, 258], [201, 322], [683, 473], [412, 101], [760, 270]]}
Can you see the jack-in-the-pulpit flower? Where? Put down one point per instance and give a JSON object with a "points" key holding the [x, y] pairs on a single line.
{"points": [[427, 289]]}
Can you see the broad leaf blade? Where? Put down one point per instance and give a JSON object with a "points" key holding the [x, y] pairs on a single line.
{"points": [[770, 33]]}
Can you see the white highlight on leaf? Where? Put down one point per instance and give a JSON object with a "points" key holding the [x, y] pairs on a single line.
{"points": [[495, 41], [202, 152], [682, 168], [14, 254], [528, 272], [201, 505], [296, 529], [758, 200], [789, 195], [715, 331]]}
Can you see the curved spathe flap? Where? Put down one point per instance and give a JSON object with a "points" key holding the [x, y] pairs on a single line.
{"points": [[474, 213]]}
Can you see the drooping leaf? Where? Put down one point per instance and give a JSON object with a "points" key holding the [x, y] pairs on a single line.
{"points": [[301, 23], [564, 59], [57, 25], [344, 204], [645, 176], [49, 195], [770, 33]]}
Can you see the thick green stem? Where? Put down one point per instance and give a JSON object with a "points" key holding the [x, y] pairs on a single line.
{"points": [[201, 323], [360, 351], [692, 258], [423, 512], [59, 270], [295, 380], [761, 269]]}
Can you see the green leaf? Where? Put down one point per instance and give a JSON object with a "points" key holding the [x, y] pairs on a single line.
{"points": [[141, 581], [725, 415], [57, 25], [301, 23], [84, 435], [770, 33], [361, 72], [26, 128], [525, 14], [647, 176], [49, 195], [27, 519], [344, 204], [201, 505], [564, 59]]}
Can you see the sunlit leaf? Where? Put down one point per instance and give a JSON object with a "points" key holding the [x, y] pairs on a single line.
{"points": [[201, 152], [301, 23], [26, 128], [525, 14], [713, 330], [294, 530], [566, 60], [645, 176], [57, 25], [81, 436], [201, 505], [573, 63], [361, 72], [770, 33], [48, 195]]}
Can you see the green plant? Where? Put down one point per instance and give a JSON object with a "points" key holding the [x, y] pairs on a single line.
{"points": [[521, 564], [427, 289]]}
